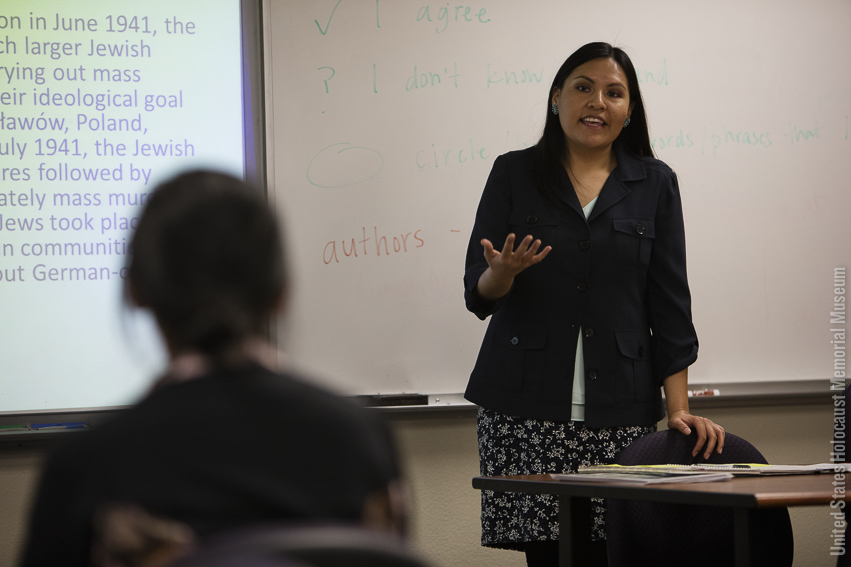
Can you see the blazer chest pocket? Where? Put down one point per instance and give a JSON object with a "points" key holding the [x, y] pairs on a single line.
{"points": [[519, 358], [633, 240], [634, 347], [540, 224]]}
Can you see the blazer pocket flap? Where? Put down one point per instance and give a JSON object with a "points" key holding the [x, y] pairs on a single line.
{"points": [[523, 340], [634, 344], [531, 219], [642, 228]]}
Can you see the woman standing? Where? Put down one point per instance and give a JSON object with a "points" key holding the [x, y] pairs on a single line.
{"points": [[590, 305]]}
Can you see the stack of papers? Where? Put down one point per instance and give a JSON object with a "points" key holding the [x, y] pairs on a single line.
{"points": [[658, 474], [737, 469], [643, 474], [642, 477]]}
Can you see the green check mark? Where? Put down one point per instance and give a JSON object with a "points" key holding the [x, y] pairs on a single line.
{"points": [[329, 20]]}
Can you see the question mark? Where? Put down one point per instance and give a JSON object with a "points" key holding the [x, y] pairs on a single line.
{"points": [[329, 78]]}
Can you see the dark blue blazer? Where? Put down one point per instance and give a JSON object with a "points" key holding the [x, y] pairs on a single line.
{"points": [[620, 275]]}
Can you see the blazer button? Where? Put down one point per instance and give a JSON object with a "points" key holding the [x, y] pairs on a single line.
{"points": [[639, 228], [590, 333], [592, 374], [641, 351], [532, 219], [582, 286], [584, 244], [514, 341]]}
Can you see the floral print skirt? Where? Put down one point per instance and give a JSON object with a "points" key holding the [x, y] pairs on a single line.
{"points": [[516, 445]]}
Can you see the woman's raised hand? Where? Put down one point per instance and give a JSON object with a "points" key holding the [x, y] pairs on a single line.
{"points": [[510, 262], [504, 265]]}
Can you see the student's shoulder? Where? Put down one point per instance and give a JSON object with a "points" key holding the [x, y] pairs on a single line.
{"points": [[307, 397], [251, 394], [347, 426]]}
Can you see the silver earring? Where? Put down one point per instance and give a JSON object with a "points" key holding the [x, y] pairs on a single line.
{"points": [[626, 122], [555, 108]]}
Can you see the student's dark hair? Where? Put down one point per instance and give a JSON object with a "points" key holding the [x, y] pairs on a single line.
{"points": [[207, 260], [552, 147]]}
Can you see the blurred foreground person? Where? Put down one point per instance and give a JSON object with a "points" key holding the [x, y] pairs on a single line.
{"points": [[221, 441]]}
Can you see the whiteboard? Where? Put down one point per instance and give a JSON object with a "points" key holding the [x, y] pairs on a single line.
{"points": [[385, 118]]}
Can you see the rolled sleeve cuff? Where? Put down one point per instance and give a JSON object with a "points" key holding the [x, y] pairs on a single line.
{"points": [[481, 308], [680, 363]]}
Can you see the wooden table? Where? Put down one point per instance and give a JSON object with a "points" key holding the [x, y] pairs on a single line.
{"points": [[742, 494]]}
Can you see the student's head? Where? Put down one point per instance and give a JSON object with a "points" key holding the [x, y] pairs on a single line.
{"points": [[634, 137], [207, 260]]}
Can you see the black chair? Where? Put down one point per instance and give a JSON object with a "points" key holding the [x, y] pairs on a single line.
{"points": [[648, 533], [303, 546]]}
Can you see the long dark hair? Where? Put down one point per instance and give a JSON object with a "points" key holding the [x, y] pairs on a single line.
{"points": [[552, 147], [207, 260]]}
